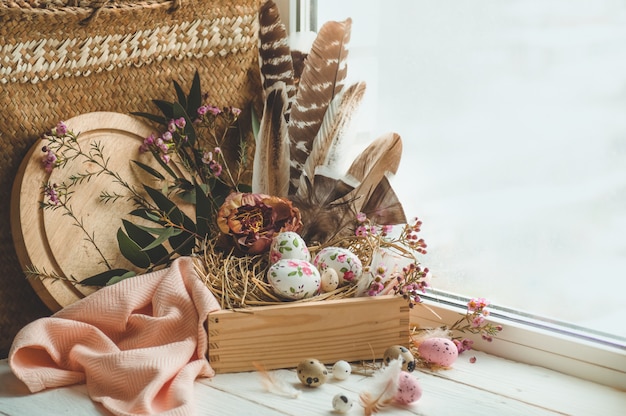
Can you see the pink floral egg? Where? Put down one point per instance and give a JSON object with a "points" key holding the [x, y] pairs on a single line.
{"points": [[409, 389], [347, 264], [439, 351], [294, 279]]}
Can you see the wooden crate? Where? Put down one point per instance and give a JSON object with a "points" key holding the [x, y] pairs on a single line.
{"points": [[281, 336]]}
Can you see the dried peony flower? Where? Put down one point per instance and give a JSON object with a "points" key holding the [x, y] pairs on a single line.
{"points": [[253, 219]]}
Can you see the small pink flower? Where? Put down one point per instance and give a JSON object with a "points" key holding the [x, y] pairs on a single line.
{"points": [[180, 122], [60, 129], [171, 126], [293, 263], [275, 256], [478, 321], [307, 270], [167, 136], [387, 229], [361, 217], [202, 110], [216, 168], [166, 158], [341, 258], [348, 275], [214, 110], [361, 231], [207, 158], [235, 111]]}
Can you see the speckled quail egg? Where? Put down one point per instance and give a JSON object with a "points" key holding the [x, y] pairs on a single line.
{"points": [[439, 351], [400, 352], [342, 403], [342, 370], [312, 372], [409, 389], [330, 280]]}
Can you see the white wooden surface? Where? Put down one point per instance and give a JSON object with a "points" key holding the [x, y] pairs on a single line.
{"points": [[491, 386]]}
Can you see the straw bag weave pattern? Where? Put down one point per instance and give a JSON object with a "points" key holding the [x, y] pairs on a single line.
{"points": [[59, 59]]}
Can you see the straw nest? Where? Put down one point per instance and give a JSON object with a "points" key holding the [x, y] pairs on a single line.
{"points": [[240, 281]]}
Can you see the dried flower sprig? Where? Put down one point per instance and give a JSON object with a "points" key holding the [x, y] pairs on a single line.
{"points": [[474, 321], [405, 275]]}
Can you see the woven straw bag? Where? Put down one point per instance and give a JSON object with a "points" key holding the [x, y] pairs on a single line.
{"points": [[61, 58]]}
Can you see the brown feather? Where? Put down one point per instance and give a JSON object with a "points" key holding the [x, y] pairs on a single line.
{"points": [[270, 174], [275, 59], [332, 132], [382, 205], [322, 78]]}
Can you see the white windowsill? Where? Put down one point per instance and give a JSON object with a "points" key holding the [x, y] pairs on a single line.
{"points": [[492, 385], [584, 359]]}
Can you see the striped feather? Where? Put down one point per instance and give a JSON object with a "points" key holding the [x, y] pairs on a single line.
{"points": [[332, 133], [322, 79], [275, 58], [270, 174]]}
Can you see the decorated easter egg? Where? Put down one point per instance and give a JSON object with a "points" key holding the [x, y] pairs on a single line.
{"points": [[288, 245], [347, 265], [312, 372], [439, 351], [294, 279], [409, 389], [330, 280], [342, 370], [399, 352], [342, 403]]}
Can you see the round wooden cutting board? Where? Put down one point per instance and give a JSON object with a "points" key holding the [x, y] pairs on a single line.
{"points": [[49, 239]]}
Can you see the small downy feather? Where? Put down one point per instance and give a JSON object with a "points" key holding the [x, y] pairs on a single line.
{"points": [[330, 138], [322, 79], [270, 171], [274, 384], [386, 387]]}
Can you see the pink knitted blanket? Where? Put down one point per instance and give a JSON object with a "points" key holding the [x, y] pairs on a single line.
{"points": [[138, 345]]}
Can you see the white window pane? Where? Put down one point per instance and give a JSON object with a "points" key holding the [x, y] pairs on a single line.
{"points": [[513, 117]]}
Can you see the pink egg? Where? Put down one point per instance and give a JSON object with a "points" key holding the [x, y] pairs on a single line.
{"points": [[440, 351], [409, 389]]}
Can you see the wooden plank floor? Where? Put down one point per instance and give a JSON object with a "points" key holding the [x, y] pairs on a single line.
{"points": [[492, 386]]}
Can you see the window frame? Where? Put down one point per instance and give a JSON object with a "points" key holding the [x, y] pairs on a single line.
{"points": [[526, 339]]}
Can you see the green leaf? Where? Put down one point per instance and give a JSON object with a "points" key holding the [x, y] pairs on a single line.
{"points": [[163, 237], [166, 108], [182, 98], [204, 212], [165, 204], [146, 214], [256, 123], [132, 251], [194, 100], [183, 243], [152, 117], [150, 170], [101, 279], [144, 239], [242, 187], [117, 279]]}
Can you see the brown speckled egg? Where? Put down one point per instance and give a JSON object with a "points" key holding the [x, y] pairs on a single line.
{"points": [[439, 351], [312, 372], [399, 352]]}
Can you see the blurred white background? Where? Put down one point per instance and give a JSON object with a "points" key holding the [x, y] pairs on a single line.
{"points": [[513, 117]]}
